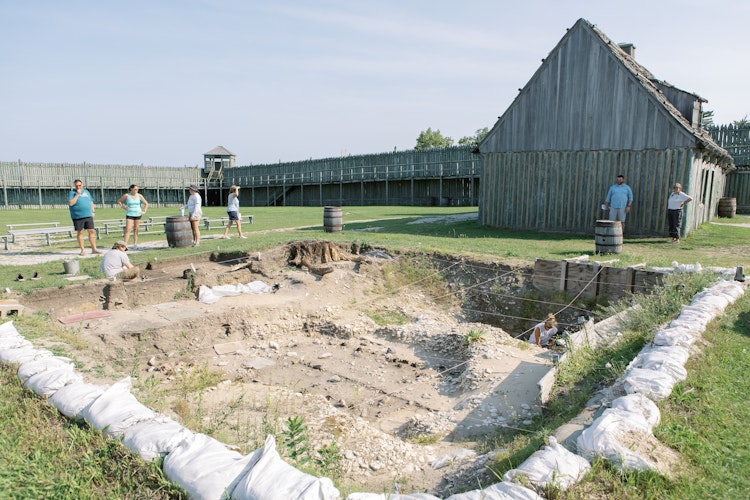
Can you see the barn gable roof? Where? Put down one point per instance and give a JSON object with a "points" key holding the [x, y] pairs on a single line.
{"points": [[605, 87]]}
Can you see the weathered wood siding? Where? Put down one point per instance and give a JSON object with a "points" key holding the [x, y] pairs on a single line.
{"points": [[35, 185], [583, 98], [735, 139], [738, 186], [562, 191], [441, 176]]}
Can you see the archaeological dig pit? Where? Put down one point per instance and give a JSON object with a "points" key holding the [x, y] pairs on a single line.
{"points": [[404, 364]]}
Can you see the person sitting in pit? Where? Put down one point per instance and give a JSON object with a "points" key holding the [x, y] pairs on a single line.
{"points": [[116, 263], [544, 331]]}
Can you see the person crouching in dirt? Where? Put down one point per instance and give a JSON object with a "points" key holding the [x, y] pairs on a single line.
{"points": [[116, 263], [544, 331]]}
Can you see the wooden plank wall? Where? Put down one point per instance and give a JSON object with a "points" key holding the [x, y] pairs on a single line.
{"points": [[738, 186], [562, 191], [735, 139], [592, 280]]}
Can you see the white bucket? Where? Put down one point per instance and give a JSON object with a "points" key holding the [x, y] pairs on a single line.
{"points": [[71, 266]]}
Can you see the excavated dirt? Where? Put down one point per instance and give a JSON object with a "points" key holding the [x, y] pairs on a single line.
{"points": [[406, 404]]}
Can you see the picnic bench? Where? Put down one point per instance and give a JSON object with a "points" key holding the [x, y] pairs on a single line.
{"points": [[39, 231], [110, 224], [224, 221], [119, 224]]}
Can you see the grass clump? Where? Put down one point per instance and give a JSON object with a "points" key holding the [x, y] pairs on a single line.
{"points": [[384, 317], [420, 271]]}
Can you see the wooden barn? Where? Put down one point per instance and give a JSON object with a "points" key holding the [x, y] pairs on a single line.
{"points": [[589, 113]]}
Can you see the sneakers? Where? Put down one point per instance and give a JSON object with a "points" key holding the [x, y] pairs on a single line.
{"points": [[195, 244], [97, 251], [19, 277], [36, 276], [243, 236]]}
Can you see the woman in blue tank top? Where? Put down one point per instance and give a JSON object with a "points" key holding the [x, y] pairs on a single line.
{"points": [[135, 206]]}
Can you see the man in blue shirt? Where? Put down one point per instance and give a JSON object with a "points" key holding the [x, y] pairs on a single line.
{"points": [[82, 210], [619, 199]]}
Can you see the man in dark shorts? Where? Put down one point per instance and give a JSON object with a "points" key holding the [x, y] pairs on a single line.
{"points": [[82, 210]]}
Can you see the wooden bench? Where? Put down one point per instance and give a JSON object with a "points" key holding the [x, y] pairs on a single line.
{"points": [[14, 229], [44, 231], [224, 221], [111, 224], [31, 225]]}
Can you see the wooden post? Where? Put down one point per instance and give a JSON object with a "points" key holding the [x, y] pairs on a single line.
{"points": [[563, 275], [630, 280]]}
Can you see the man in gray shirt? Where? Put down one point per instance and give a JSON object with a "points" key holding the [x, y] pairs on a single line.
{"points": [[116, 263]]}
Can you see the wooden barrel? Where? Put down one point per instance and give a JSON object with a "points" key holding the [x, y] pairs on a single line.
{"points": [[178, 231], [332, 219], [608, 236], [727, 207]]}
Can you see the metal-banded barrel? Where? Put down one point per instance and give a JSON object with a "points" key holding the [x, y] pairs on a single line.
{"points": [[332, 219], [608, 235], [179, 233]]}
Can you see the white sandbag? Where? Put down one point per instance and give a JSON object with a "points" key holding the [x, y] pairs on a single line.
{"points": [[499, 491], [640, 405], [713, 302], [698, 315], [155, 438], [661, 362], [13, 342], [32, 367], [267, 476], [49, 382], [678, 353], [208, 295], [652, 384], [676, 335], [391, 496], [204, 467], [71, 399], [116, 410], [732, 290], [7, 329], [22, 354], [551, 466], [605, 436]]}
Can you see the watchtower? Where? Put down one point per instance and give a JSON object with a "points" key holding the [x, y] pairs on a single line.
{"points": [[214, 163]]}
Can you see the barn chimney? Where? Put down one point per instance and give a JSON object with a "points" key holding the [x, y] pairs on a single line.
{"points": [[628, 48]]}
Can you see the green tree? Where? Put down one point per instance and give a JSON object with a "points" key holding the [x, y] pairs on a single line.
{"points": [[741, 123], [429, 139], [707, 119], [473, 140]]}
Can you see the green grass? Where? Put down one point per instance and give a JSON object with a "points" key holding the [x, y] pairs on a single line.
{"points": [[705, 419], [44, 455], [712, 245]]}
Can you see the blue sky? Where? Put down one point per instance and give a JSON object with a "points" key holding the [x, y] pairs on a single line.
{"points": [[160, 82]]}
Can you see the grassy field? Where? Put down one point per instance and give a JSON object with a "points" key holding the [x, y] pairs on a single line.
{"points": [[44, 456], [721, 245]]}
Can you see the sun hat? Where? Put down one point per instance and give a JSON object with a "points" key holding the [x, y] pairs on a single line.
{"points": [[193, 187], [119, 244]]}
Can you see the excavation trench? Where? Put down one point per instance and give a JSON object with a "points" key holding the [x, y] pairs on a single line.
{"points": [[398, 399]]}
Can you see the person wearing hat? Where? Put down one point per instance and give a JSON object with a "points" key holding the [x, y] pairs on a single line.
{"points": [[116, 263], [544, 331], [195, 213]]}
